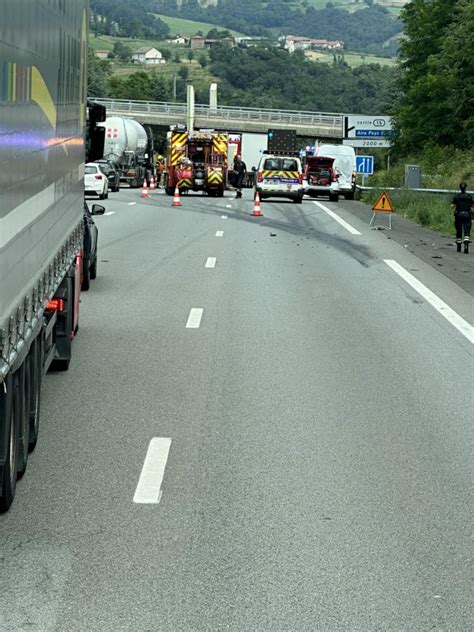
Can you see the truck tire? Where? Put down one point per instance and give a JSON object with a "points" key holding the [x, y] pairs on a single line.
{"points": [[86, 276], [36, 363], [24, 392], [93, 269], [298, 200], [349, 196], [9, 430], [333, 197]]}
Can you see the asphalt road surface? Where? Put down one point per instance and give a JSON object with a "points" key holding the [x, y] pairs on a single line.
{"points": [[266, 426]]}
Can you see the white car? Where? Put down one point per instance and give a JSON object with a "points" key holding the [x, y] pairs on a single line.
{"points": [[280, 176], [95, 181]]}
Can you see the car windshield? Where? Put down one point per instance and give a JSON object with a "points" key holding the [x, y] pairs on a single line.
{"points": [[90, 169]]}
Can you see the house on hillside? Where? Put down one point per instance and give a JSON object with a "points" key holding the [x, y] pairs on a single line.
{"points": [[297, 42], [101, 53], [147, 55], [199, 42], [178, 39]]}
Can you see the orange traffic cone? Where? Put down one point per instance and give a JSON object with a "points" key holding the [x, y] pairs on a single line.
{"points": [[152, 184], [257, 212], [176, 200], [144, 193]]}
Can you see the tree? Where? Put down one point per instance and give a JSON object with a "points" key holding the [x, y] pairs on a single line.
{"points": [[177, 57], [99, 73], [190, 55], [203, 61], [183, 72], [166, 54], [436, 58], [122, 51]]}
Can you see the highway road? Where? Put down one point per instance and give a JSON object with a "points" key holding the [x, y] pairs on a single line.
{"points": [[295, 391]]}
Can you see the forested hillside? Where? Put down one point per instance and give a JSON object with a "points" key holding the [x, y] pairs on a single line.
{"points": [[259, 77], [127, 19], [363, 30], [271, 78]]}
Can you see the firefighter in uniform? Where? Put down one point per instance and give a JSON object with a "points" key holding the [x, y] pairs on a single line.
{"points": [[462, 205], [240, 169]]}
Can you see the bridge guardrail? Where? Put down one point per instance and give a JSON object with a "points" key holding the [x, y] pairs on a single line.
{"points": [[290, 117]]}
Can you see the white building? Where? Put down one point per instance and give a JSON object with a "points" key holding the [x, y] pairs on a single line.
{"points": [[179, 39], [147, 55], [296, 42]]}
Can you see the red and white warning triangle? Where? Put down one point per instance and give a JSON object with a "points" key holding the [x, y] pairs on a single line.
{"points": [[384, 204]]}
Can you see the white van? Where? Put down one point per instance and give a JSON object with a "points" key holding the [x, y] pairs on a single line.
{"points": [[344, 164]]}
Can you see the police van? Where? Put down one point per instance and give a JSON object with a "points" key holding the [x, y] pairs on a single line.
{"points": [[280, 177]]}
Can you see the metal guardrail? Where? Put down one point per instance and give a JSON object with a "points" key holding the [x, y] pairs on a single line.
{"points": [[435, 191], [228, 113]]}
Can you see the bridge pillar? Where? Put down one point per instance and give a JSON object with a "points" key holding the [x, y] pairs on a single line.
{"points": [[190, 108], [213, 97]]}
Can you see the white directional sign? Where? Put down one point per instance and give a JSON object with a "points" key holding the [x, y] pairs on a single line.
{"points": [[365, 165], [368, 131]]}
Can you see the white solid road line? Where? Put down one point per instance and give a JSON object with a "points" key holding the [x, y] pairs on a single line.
{"points": [[220, 233], [338, 219], [211, 262], [148, 490], [194, 319], [451, 316]]}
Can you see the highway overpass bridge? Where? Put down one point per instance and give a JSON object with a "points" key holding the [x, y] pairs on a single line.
{"points": [[228, 118]]}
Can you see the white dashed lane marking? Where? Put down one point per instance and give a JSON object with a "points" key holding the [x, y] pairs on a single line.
{"points": [[148, 490], [220, 233], [211, 262], [194, 318]]}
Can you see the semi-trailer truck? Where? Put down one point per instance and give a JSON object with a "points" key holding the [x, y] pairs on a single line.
{"points": [[129, 147], [43, 118]]}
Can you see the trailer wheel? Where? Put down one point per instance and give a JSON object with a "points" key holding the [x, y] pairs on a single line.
{"points": [[9, 429], [24, 391], [35, 393]]}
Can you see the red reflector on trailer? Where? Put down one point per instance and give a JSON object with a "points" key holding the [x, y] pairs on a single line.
{"points": [[56, 305]]}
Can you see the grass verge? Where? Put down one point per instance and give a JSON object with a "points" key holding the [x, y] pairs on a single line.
{"points": [[426, 209]]}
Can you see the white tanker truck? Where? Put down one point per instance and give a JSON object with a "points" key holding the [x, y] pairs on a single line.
{"points": [[129, 147]]}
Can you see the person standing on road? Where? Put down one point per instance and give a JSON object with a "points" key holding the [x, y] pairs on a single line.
{"points": [[462, 205], [240, 169]]}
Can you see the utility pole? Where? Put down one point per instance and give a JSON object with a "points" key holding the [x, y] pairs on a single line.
{"points": [[174, 87]]}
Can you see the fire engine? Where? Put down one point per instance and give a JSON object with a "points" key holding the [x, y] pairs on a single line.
{"points": [[197, 161]]}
